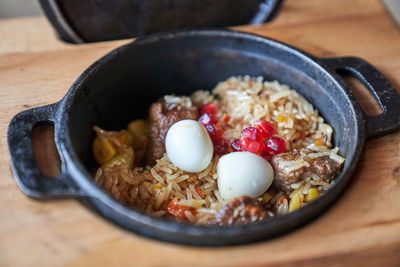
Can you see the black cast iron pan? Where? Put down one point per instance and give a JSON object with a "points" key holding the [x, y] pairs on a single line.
{"points": [[80, 21], [120, 87]]}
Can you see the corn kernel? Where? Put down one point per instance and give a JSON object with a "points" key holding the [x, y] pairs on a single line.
{"points": [[281, 118], [157, 187], [319, 142], [295, 201], [311, 194], [103, 150], [265, 198]]}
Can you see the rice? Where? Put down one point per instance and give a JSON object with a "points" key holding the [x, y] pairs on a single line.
{"points": [[246, 99]]}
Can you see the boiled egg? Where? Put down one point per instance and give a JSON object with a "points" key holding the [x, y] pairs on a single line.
{"points": [[189, 146], [243, 174]]}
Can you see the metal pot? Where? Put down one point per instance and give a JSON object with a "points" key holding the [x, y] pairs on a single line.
{"points": [[120, 87], [79, 21]]}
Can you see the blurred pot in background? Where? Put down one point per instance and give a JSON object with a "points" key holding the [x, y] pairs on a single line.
{"points": [[79, 21]]}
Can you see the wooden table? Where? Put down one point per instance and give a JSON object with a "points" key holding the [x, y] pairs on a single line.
{"points": [[363, 227]]}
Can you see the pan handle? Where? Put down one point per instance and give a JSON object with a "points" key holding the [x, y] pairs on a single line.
{"points": [[27, 174], [380, 88]]}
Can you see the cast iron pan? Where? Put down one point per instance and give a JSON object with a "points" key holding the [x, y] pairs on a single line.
{"points": [[80, 21], [120, 87]]}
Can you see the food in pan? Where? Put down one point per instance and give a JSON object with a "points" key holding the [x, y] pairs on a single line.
{"points": [[249, 150]]}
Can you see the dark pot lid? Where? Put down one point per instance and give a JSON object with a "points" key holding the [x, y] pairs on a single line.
{"points": [[91, 20]]}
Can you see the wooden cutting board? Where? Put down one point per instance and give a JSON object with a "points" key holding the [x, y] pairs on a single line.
{"points": [[362, 228]]}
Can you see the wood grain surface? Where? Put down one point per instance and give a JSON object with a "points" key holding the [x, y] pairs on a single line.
{"points": [[361, 229]]}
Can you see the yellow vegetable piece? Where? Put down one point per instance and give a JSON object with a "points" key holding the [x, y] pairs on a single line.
{"points": [[311, 194], [319, 142], [157, 187], [281, 118], [265, 198], [125, 138], [103, 150], [125, 157], [295, 201], [139, 132]]}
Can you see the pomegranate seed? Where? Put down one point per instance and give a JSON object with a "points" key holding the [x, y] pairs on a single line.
{"points": [[263, 148], [276, 145], [244, 143], [218, 134], [252, 133], [211, 130], [254, 147], [266, 128], [205, 119], [208, 108], [235, 145], [220, 146], [267, 155]]}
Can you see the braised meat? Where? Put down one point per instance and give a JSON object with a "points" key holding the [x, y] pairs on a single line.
{"points": [[161, 117], [282, 179], [241, 211], [324, 167]]}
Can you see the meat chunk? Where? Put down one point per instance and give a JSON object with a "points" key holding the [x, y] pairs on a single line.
{"points": [[324, 167], [240, 211], [161, 117], [283, 179]]}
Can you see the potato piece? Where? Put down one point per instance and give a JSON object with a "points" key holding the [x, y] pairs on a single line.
{"points": [[139, 132], [103, 150], [125, 157]]}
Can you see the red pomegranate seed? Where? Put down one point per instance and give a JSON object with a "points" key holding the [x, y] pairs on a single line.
{"points": [[206, 119], [267, 155], [211, 130], [266, 128], [254, 147], [263, 148], [209, 108], [220, 146], [218, 134], [244, 143], [235, 145], [276, 145], [252, 133]]}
